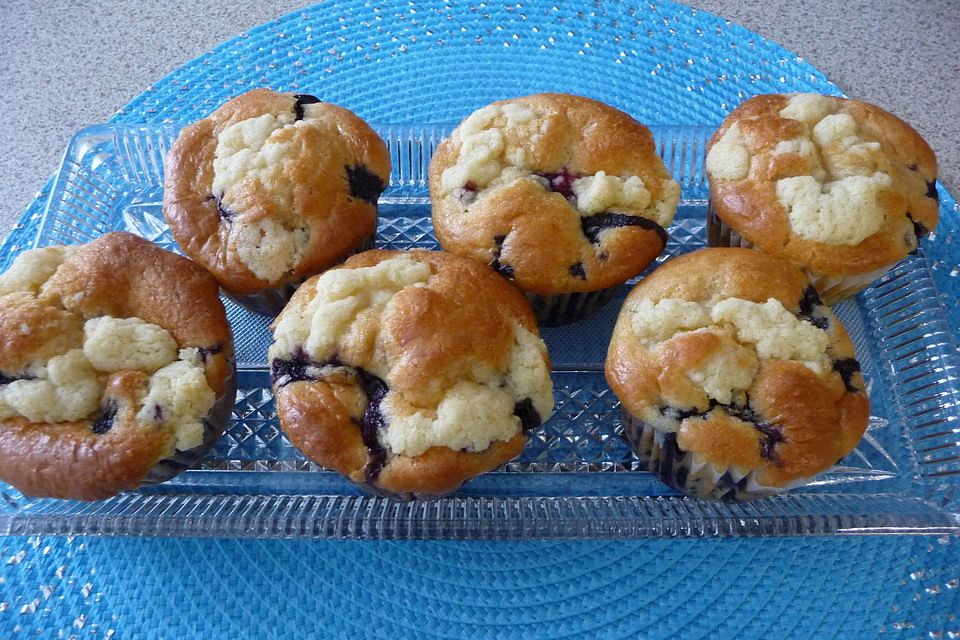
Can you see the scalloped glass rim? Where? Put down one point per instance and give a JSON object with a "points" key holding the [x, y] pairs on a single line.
{"points": [[576, 478]]}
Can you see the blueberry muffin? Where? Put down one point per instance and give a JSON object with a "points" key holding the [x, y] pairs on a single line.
{"points": [[115, 367], [838, 187], [272, 188], [563, 195], [735, 380], [392, 372]]}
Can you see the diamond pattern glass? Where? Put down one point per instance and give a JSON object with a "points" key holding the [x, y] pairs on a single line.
{"points": [[577, 476]]}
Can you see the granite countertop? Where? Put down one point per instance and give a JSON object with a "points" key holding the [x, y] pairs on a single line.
{"points": [[65, 66]]}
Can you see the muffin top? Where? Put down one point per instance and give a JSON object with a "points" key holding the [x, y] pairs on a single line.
{"points": [[389, 370], [732, 351], [838, 186], [112, 354], [558, 193], [273, 187]]}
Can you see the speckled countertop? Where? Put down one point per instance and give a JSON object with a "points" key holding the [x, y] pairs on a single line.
{"points": [[67, 65]]}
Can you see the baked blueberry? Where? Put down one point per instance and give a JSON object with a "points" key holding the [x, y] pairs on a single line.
{"points": [[577, 271], [593, 225], [847, 367], [561, 182], [302, 99], [528, 414], [103, 422], [364, 184], [813, 310]]}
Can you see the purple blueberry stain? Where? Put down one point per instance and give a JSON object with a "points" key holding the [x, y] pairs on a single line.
{"points": [[561, 182], [770, 436], [931, 184], [225, 214], [577, 271], [364, 184], [811, 309], [741, 412], [287, 371], [296, 368], [373, 422], [593, 225], [103, 421], [206, 352], [678, 414], [810, 300], [918, 229], [466, 194], [302, 99], [5, 379], [502, 268], [846, 367], [529, 416]]}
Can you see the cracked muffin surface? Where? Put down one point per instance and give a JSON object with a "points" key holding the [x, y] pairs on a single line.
{"points": [[389, 371], [558, 193], [274, 187], [114, 354], [731, 355], [837, 186]]}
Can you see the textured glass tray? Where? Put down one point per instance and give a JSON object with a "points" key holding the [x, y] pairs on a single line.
{"points": [[576, 477]]}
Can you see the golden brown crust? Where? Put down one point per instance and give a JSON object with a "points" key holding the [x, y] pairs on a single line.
{"points": [[68, 460], [539, 231], [440, 470], [50, 328], [336, 221], [123, 276], [710, 275], [819, 419], [316, 418], [424, 335], [750, 206]]}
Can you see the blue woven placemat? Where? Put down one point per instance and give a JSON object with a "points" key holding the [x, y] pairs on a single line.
{"points": [[662, 62]]}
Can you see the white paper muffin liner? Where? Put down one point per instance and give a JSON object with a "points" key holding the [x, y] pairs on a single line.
{"points": [[832, 289], [659, 453], [564, 308], [270, 302], [214, 425]]}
